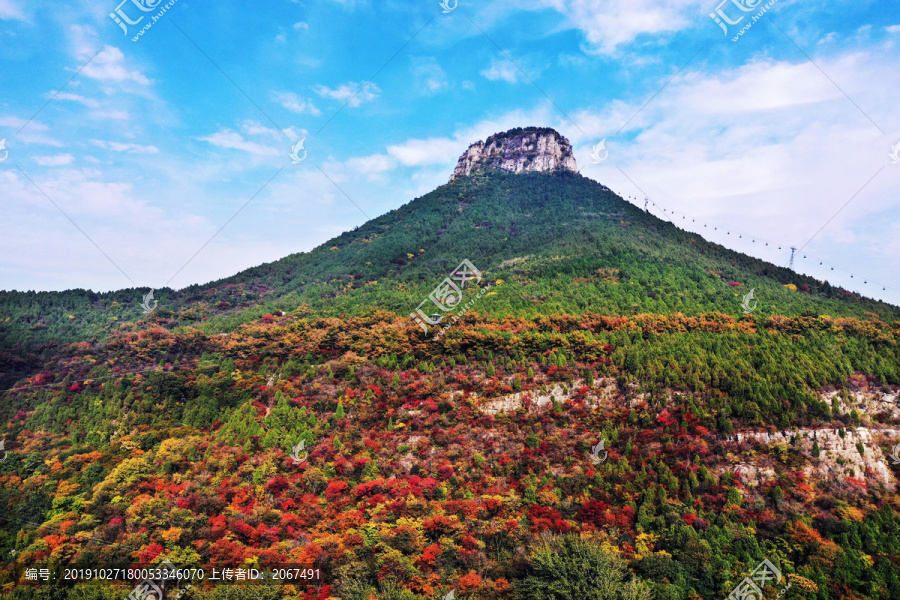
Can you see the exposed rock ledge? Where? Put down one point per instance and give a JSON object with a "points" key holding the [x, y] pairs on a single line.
{"points": [[518, 151], [834, 448]]}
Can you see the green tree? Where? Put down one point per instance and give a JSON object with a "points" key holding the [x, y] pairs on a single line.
{"points": [[571, 568]]}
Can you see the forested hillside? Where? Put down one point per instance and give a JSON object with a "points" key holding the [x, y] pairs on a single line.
{"points": [[604, 423], [559, 242], [429, 466]]}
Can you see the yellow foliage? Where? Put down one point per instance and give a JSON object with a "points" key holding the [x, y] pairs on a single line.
{"points": [[66, 488], [849, 513], [548, 497], [802, 584], [791, 287], [644, 544], [172, 535]]}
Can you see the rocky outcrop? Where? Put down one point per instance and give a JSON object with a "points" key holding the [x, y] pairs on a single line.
{"points": [[518, 151], [839, 454]]}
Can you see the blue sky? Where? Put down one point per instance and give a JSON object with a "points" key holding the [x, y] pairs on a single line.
{"points": [[149, 148]]}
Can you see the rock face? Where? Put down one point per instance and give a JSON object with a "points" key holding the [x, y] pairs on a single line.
{"points": [[518, 151], [840, 457]]}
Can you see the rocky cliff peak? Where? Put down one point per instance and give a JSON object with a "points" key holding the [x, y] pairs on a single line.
{"points": [[518, 151]]}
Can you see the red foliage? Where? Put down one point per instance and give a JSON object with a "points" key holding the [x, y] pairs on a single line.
{"points": [[429, 556], [313, 593], [469, 583], [335, 489], [543, 518], [277, 484], [593, 511], [225, 552], [149, 554]]}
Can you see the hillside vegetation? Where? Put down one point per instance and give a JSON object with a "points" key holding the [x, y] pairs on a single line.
{"points": [[606, 423]]}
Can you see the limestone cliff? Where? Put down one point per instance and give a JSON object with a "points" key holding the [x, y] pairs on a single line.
{"points": [[518, 151]]}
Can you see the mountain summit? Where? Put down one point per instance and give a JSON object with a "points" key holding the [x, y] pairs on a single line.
{"points": [[518, 151]]}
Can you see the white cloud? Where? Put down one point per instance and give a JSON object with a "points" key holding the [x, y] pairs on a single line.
{"points": [[415, 153], [108, 65], [130, 148], [227, 138], [32, 132], [371, 165], [254, 128], [609, 24], [54, 161], [10, 10], [295, 103], [758, 86], [428, 75], [301, 25], [350, 92], [502, 69], [89, 102], [892, 28], [109, 115]]}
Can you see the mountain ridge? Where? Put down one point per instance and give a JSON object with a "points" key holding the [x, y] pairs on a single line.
{"points": [[501, 215]]}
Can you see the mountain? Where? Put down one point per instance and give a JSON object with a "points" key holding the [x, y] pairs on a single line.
{"points": [[605, 411], [538, 231]]}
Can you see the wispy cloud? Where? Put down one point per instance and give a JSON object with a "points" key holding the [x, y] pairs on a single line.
{"points": [[428, 75], [89, 102], [233, 140], [501, 69], [355, 93], [295, 103], [109, 65], [10, 10], [130, 148], [54, 161]]}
